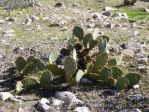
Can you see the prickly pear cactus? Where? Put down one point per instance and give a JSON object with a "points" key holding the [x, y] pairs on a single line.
{"points": [[111, 82], [39, 65], [29, 68], [87, 39], [133, 78], [46, 80], [53, 55], [20, 63], [102, 45], [93, 43], [30, 82], [116, 72], [105, 74], [65, 52], [101, 61], [78, 32], [31, 59], [122, 83], [112, 63], [79, 75], [19, 86], [70, 67], [93, 76]]}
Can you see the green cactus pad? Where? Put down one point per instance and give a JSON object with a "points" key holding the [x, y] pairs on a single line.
{"points": [[46, 80], [31, 59], [19, 86], [102, 46], [111, 82], [65, 52], [105, 74], [101, 61], [112, 63], [93, 76], [78, 32], [29, 68], [39, 65], [93, 43], [87, 39], [133, 78], [55, 70], [122, 83], [53, 55], [79, 75], [70, 67], [116, 72], [106, 38], [20, 63], [30, 82]]}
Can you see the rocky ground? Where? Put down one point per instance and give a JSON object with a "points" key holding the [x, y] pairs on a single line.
{"points": [[36, 30]]}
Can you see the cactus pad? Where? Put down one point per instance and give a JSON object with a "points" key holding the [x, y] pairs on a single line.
{"points": [[20, 63], [78, 32], [53, 55], [133, 78]]}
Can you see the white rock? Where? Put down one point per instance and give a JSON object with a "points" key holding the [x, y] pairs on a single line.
{"points": [[109, 8], [68, 97], [34, 18], [81, 109], [146, 10], [137, 97], [43, 104], [43, 101], [120, 16], [136, 32], [8, 31], [136, 86], [5, 95], [57, 102], [2, 21], [28, 21]]}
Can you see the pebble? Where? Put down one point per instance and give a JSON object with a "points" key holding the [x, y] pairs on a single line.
{"points": [[81, 109], [44, 104]]}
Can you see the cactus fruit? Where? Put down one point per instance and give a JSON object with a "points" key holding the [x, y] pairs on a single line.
{"points": [[133, 78], [20, 63], [87, 39], [121, 83], [53, 55], [19, 86], [116, 72], [101, 61], [78, 32], [30, 82], [70, 67], [46, 80], [112, 63], [78, 46], [79, 75], [65, 52]]}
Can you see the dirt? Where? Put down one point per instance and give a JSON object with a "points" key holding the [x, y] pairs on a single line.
{"points": [[52, 29]]}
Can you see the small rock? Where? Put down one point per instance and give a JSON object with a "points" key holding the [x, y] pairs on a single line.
{"points": [[11, 19], [128, 55], [109, 8], [8, 31], [108, 92], [5, 95], [136, 32], [68, 97], [2, 21], [81, 109], [44, 104], [137, 97], [21, 110], [85, 81], [136, 86], [34, 18], [58, 4], [57, 102], [124, 45], [109, 25], [146, 10], [120, 16], [28, 21], [107, 13]]}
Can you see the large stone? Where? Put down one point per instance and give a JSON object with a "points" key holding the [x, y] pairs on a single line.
{"points": [[5, 95], [68, 97]]}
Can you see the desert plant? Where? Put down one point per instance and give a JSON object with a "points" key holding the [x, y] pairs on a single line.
{"points": [[85, 56]]}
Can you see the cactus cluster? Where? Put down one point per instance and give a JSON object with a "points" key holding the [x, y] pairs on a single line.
{"points": [[85, 56]]}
